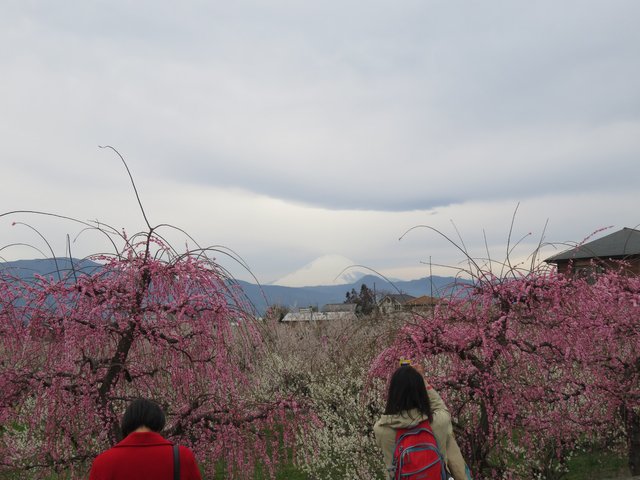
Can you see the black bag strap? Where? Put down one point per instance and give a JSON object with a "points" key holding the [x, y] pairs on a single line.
{"points": [[176, 462]]}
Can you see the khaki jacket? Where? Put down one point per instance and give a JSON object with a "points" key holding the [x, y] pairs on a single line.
{"points": [[385, 433]]}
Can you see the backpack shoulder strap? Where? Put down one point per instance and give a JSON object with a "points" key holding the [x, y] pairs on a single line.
{"points": [[176, 462]]}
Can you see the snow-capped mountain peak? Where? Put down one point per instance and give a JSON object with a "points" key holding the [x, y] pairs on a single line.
{"points": [[325, 270]]}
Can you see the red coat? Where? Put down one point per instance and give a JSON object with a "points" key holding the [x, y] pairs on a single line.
{"points": [[142, 456]]}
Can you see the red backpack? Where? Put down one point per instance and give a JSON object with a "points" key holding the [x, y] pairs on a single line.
{"points": [[416, 455]]}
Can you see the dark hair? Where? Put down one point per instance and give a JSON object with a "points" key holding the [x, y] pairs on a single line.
{"points": [[142, 413], [407, 391]]}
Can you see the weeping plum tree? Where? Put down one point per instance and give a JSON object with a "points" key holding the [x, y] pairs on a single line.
{"points": [[152, 322], [532, 364], [607, 333]]}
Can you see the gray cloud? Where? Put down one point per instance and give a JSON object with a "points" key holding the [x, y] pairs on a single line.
{"points": [[328, 106]]}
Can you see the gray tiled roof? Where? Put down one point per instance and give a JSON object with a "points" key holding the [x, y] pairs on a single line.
{"points": [[309, 316], [620, 244], [339, 307]]}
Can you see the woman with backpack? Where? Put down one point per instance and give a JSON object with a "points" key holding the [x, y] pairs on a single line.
{"points": [[415, 419], [144, 454]]}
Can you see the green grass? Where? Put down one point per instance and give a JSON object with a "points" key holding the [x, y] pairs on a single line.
{"points": [[597, 464], [288, 472]]}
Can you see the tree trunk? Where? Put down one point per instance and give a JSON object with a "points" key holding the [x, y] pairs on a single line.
{"points": [[481, 449], [631, 422], [633, 435]]}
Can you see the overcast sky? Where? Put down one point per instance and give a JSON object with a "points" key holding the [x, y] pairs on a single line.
{"points": [[291, 130]]}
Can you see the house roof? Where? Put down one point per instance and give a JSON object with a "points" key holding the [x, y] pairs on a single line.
{"points": [[423, 300], [620, 244], [309, 316], [339, 307], [400, 298]]}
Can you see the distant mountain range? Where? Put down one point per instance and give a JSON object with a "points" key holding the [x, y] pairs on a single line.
{"points": [[261, 295], [48, 267], [322, 295]]}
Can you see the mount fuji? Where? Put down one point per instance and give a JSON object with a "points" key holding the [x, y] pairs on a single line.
{"points": [[326, 270]]}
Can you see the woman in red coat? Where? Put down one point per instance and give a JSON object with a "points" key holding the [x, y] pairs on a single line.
{"points": [[143, 453]]}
